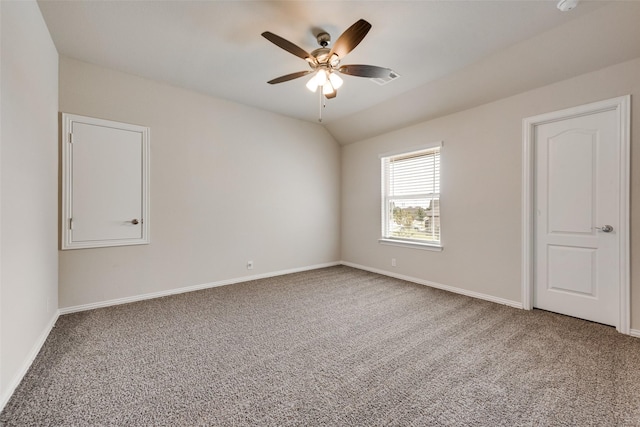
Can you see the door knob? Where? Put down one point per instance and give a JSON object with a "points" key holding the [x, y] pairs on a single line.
{"points": [[605, 228], [135, 221]]}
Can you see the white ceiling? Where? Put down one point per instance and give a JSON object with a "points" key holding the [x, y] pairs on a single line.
{"points": [[215, 47]]}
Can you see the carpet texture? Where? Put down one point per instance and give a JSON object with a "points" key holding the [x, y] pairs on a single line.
{"points": [[330, 347]]}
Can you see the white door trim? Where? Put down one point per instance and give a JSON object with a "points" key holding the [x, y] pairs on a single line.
{"points": [[622, 107]]}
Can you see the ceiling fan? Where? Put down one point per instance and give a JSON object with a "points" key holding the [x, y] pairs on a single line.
{"points": [[325, 62]]}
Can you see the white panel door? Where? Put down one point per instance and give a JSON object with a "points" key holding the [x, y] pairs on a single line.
{"points": [[107, 183], [105, 197], [577, 269]]}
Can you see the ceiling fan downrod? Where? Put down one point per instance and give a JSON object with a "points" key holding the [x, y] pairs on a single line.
{"points": [[321, 104]]}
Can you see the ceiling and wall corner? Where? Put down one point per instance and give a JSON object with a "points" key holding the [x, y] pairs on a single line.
{"points": [[606, 36], [450, 55]]}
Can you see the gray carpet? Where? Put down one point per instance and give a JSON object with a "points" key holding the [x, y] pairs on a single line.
{"points": [[329, 347]]}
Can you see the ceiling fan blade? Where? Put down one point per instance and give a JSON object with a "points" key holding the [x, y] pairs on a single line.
{"points": [[288, 46], [350, 38], [288, 77], [331, 95], [370, 71]]}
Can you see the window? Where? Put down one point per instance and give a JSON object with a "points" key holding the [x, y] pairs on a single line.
{"points": [[411, 197]]}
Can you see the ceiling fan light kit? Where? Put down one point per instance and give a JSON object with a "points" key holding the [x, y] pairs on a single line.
{"points": [[328, 81], [325, 62]]}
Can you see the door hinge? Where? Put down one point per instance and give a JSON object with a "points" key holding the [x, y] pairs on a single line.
{"points": [[70, 138]]}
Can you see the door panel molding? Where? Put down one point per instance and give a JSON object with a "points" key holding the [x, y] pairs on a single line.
{"points": [[621, 106]]}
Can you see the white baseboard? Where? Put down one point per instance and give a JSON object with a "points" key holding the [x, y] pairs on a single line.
{"points": [[4, 399], [478, 295], [126, 300], [13, 384]]}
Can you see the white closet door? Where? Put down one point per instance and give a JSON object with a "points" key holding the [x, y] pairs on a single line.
{"points": [[105, 173]]}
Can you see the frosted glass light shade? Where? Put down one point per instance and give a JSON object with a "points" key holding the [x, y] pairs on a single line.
{"points": [[335, 80], [324, 78], [327, 89], [312, 85]]}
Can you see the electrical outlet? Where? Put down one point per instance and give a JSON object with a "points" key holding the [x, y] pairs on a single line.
{"points": [[393, 262], [249, 265]]}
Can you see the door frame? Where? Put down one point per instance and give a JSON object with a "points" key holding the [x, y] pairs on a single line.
{"points": [[621, 105]]}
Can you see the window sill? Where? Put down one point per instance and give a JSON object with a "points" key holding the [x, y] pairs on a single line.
{"points": [[408, 244]]}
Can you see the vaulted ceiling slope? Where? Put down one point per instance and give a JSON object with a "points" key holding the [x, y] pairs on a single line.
{"points": [[607, 36], [451, 55]]}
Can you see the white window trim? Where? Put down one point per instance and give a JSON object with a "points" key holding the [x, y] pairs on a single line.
{"points": [[411, 244], [437, 144], [414, 244]]}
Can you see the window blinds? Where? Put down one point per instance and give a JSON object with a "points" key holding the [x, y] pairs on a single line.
{"points": [[413, 174]]}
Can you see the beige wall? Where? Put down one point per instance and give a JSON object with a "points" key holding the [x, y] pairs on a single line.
{"points": [[28, 195], [481, 188], [229, 183]]}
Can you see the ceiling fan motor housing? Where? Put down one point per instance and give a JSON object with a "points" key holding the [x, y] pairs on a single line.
{"points": [[322, 53], [322, 56], [323, 39]]}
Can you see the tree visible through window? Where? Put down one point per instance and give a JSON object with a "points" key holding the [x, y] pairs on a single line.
{"points": [[411, 196]]}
